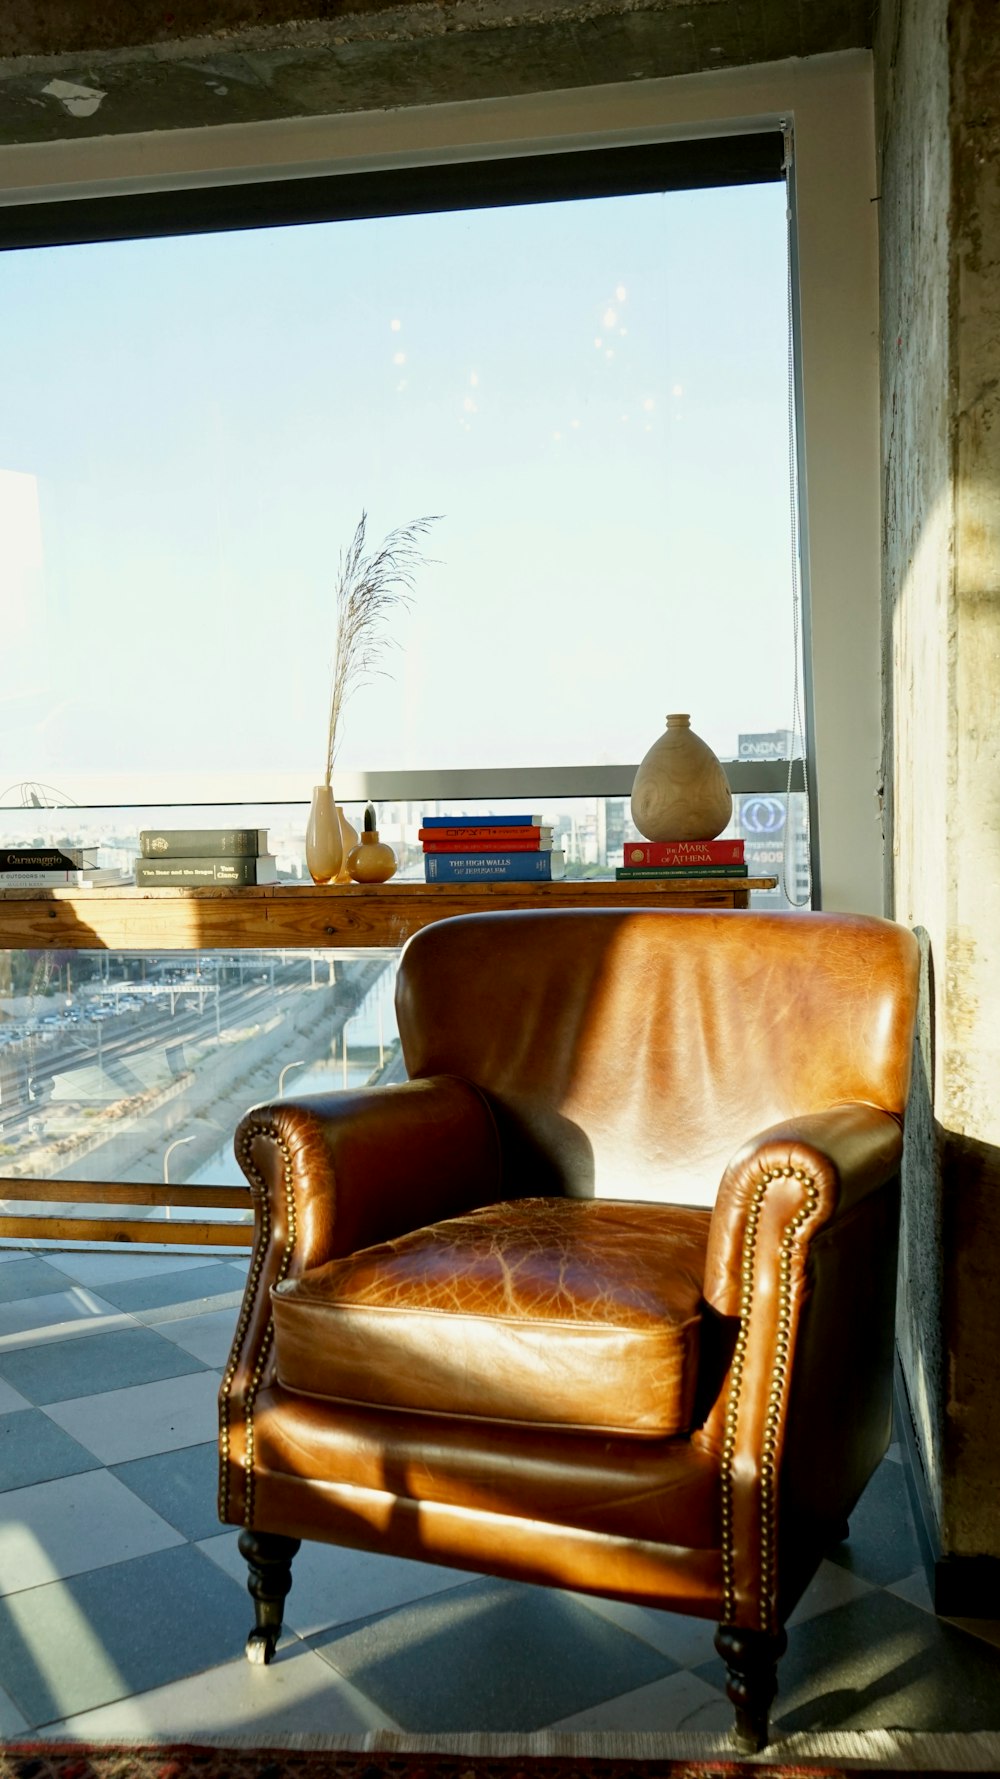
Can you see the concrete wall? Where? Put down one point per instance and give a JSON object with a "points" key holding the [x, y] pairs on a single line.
{"points": [[938, 130]]}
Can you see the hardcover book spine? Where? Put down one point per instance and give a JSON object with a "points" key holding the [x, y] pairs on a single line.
{"points": [[201, 843], [623, 872], [190, 873], [515, 867], [483, 838], [480, 821], [50, 879], [456, 846], [683, 852], [46, 858]]}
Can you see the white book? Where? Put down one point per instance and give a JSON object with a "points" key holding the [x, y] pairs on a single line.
{"points": [[89, 877]]}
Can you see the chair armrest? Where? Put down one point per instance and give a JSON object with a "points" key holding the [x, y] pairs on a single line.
{"points": [[342, 1171], [790, 1185], [331, 1174], [810, 1170]]}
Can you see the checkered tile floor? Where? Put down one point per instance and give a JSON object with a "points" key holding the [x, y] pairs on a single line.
{"points": [[123, 1608]]}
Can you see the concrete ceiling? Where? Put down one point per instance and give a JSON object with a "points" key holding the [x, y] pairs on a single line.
{"points": [[70, 71]]}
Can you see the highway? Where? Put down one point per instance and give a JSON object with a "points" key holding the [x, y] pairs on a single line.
{"points": [[80, 1071]]}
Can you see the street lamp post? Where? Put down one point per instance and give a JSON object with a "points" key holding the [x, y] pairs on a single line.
{"points": [[284, 1072], [168, 1151]]}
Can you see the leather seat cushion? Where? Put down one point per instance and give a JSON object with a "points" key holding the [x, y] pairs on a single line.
{"points": [[554, 1312]]}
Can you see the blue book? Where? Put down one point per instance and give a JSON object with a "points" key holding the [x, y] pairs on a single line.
{"points": [[482, 821], [492, 867]]}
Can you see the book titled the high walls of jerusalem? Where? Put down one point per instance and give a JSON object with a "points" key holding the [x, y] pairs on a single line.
{"points": [[498, 867]]}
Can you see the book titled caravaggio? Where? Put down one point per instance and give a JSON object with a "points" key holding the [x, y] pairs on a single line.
{"points": [[47, 858]]}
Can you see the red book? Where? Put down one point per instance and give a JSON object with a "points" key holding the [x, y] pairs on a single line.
{"points": [[684, 852], [543, 845], [474, 838]]}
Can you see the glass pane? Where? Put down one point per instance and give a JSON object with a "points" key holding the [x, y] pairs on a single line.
{"points": [[590, 831], [126, 1067], [592, 395]]}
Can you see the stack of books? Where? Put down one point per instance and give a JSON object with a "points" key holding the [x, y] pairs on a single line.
{"points": [[55, 867], [682, 858], [199, 858], [488, 848]]}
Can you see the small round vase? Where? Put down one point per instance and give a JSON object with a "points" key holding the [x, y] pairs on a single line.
{"points": [[681, 791], [349, 838], [324, 842], [371, 861]]}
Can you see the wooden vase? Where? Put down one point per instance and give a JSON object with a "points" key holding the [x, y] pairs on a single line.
{"points": [[349, 838], [680, 790], [371, 861], [324, 842]]}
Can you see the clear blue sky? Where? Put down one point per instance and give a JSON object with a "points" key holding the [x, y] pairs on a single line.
{"points": [[593, 395]]}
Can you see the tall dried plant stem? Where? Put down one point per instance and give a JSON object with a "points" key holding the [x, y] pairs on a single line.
{"points": [[369, 588]]}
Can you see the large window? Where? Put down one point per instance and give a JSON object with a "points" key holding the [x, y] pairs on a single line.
{"points": [[591, 392], [580, 366]]}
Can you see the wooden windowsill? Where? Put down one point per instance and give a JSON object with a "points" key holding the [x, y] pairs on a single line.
{"points": [[126, 918], [273, 916]]}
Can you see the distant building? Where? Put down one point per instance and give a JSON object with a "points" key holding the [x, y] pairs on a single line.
{"points": [[611, 826], [771, 744], [774, 828]]}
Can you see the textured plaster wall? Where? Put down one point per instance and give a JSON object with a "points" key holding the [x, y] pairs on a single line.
{"points": [[971, 1055], [938, 83], [911, 71]]}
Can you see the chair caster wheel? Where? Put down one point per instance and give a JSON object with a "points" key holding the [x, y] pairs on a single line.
{"points": [[750, 1732], [261, 1645], [269, 1561], [751, 1659]]}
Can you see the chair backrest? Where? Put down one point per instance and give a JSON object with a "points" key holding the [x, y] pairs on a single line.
{"points": [[629, 1054]]}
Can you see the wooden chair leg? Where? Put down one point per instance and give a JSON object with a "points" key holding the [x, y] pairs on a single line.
{"points": [[269, 1559], [751, 1659]]}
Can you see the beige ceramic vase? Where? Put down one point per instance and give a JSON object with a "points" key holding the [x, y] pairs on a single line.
{"points": [[680, 790], [371, 861], [349, 838], [324, 842]]}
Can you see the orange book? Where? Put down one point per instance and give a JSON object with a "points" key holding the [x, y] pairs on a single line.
{"points": [[484, 839]]}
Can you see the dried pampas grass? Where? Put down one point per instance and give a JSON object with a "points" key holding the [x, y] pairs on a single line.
{"points": [[369, 588]]}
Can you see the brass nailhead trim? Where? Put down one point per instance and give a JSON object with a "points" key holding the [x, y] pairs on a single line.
{"points": [[733, 1405], [776, 1390], [259, 1193]]}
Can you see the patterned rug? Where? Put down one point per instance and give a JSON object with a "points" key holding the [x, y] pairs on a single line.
{"points": [[76, 1760], [385, 1754]]}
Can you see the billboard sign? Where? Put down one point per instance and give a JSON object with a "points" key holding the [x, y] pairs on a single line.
{"points": [[770, 744], [762, 815]]}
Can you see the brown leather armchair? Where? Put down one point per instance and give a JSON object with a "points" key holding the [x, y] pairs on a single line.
{"points": [[602, 1296]]}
